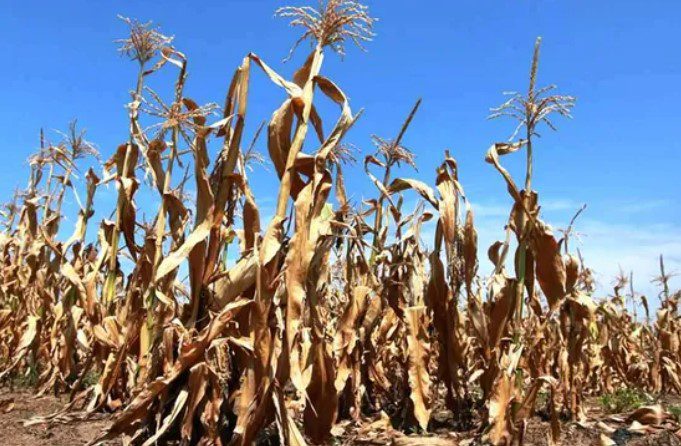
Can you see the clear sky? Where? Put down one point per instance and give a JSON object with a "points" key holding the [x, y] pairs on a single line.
{"points": [[620, 154]]}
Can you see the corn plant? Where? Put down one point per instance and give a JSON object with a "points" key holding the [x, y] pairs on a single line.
{"points": [[334, 313]]}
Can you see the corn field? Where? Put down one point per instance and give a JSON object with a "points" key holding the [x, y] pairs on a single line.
{"points": [[337, 323]]}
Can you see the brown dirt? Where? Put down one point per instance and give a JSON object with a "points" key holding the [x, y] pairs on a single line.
{"points": [[25, 406], [20, 405], [574, 435]]}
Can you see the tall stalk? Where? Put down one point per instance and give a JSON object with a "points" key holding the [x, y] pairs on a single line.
{"points": [[393, 153], [110, 284]]}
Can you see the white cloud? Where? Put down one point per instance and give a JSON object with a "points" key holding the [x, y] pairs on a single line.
{"points": [[488, 210], [634, 247], [633, 207], [560, 205]]}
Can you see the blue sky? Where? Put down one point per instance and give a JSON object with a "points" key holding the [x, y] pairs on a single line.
{"points": [[620, 154]]}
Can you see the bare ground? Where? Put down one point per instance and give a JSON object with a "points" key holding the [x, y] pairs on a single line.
{"points": [[20, 405]]}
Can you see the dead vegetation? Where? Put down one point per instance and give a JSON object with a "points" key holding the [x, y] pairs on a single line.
{"points": [[335, 319]]}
